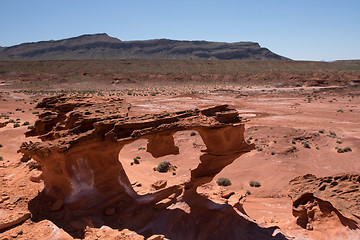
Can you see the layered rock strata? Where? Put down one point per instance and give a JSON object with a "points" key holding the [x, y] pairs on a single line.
{"points": [[81, 140], [315, 198]]}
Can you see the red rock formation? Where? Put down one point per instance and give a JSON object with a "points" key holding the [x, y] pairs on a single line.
{"points": [[315, 198], [81, 140]]}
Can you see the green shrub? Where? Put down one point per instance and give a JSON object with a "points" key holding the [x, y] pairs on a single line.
{"points": [[253, 183], [30, 127], [259, 149], [141, 148], [332, 134], [347, 149], [16, 125], [305, 144], [223, 182], [338, 141], [340, 150], [26, 123], [163, 167], [248, 192], [192, 133], [136, 160]]}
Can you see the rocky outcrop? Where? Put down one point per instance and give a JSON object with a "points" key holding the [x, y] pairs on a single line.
{"points": [[315, 198], [84, 179]]}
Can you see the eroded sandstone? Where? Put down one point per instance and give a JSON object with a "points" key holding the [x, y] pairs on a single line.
{"points": [[315, 198], [81, 140]]}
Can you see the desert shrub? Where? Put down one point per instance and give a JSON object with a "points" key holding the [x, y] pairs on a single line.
{"points": [[340, 150], [253, 183], [272, 153], [340, 110], [141, 148], [293, 141], [26, 123], [163, 166], [16, 125], [1, 145], [332, 134], [321, 131], [18, 109], [347, 149], [305, 144], [248, 141], [1, 158], [223, 182], [192, 133], [136, 160], [338, 141], [30, 127], [259, 149], [248, 192]]}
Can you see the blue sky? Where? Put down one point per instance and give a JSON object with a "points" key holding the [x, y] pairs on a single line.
{"points": [[298, 29]]}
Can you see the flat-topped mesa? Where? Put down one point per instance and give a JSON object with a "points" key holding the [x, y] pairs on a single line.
{"points": [[82, 137]]}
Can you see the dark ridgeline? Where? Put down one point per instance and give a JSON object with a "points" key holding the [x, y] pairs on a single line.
{"points": [[102, 46]]}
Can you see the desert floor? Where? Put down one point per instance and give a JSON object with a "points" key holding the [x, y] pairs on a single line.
{"points": [[278, 121]]}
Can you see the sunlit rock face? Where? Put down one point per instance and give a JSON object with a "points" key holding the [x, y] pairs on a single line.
{"points": [[81, 140]]}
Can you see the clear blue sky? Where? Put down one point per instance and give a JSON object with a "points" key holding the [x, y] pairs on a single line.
{"points": [[298, 29]]}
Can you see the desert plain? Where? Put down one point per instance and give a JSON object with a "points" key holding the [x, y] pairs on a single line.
{"points": [[300, 180]]}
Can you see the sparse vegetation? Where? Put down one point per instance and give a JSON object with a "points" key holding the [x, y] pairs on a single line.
{"points": [[26, 123], [193, 133], [163, 167], [253, 183], [136, 160], [305, 144], [332, 134], [343, 150], [223, 182], [321, 131], [141, 148], [16, 125]]}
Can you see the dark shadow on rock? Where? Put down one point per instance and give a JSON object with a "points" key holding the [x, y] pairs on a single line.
{"points": [[201, 219]]}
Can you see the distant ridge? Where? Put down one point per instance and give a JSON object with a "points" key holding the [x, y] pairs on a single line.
{"points": [[102, 46]]}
